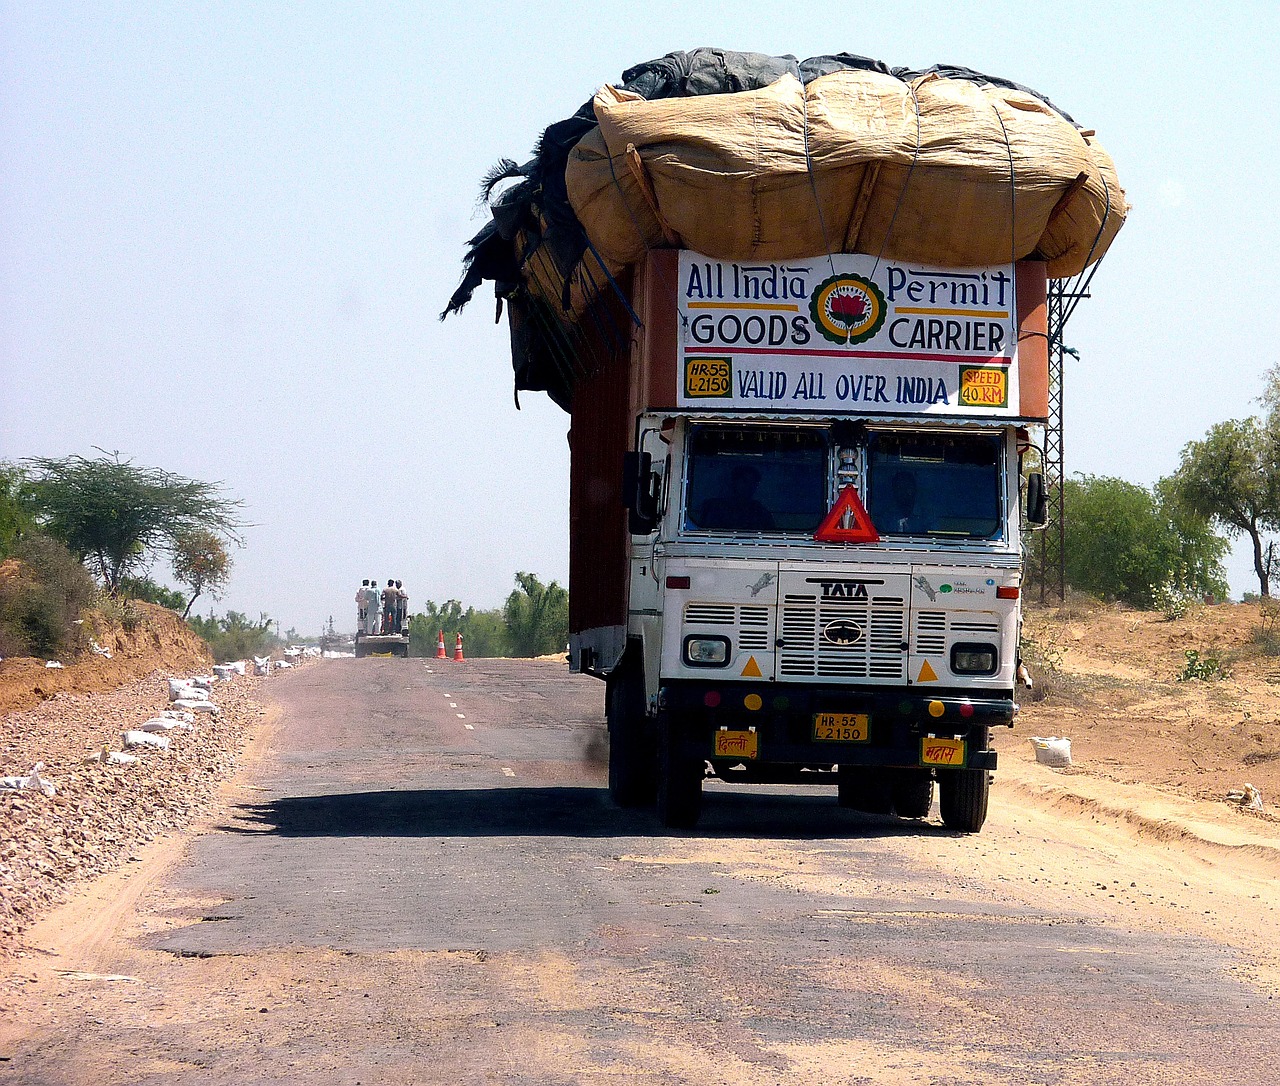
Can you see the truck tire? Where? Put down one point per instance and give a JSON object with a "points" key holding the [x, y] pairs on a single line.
{"points": [[912, 793], [962, 799], [679, 797], [864, 788], [632, 758]]}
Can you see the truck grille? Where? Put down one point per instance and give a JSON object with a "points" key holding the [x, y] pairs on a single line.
{"points": [[932, 628], [748, 626], [878, 653]]}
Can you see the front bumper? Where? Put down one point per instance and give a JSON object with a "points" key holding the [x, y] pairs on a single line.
{"points": [[899, 721]]}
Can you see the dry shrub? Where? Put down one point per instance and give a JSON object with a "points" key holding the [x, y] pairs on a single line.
{"points": [[41, 600]]}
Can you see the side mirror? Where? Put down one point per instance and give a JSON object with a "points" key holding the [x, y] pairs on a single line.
{"points": [[641, 491], [1037, 509]]}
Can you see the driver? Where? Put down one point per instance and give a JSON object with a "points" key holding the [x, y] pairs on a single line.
{"points": [[739, 509]]}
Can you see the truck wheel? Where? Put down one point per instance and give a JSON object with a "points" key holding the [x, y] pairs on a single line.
{"points": [[864, 788], [962, 799], [913, 793], [632, 758], [679, 782]]}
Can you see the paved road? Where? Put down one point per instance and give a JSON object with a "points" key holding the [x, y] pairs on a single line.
{"points": [[424, 882]]}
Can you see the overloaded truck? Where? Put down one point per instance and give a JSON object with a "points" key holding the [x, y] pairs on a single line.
{"points": [[802, 472]]}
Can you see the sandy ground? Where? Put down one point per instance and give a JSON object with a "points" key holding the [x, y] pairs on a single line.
{"points": [[1137, 833]]}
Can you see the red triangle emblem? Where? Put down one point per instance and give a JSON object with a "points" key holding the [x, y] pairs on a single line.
{"points": [[847, 522]]}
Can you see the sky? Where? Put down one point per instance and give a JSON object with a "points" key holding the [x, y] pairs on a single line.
{"points": [[227, 232]]}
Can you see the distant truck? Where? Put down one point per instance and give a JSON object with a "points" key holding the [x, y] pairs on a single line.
{"points": [[382, 644], [797, 514]]}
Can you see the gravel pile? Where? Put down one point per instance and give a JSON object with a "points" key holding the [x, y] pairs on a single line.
{"points": [[103, 812]]}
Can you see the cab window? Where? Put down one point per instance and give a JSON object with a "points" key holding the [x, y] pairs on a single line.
{"points": [[934, 485], [756, 479]]}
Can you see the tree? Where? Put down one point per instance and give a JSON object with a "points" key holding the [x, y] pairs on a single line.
{"points": [[115, 515], [15, 517], [200, 562], [1125, 542], [1232, 478], [484, 633], [537, 617], [235, 636]]}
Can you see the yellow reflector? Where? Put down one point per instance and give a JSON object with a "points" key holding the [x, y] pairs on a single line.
{"points": [[936, 708], [752, 670], [927, 674], [753, 701]]}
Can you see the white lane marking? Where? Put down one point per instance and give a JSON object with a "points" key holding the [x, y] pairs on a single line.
{"points": [[508, 772], [469, 727], [461, 716], [453, 705]]}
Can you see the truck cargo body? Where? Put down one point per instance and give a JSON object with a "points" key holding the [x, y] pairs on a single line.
{"points": [[797, 514]]}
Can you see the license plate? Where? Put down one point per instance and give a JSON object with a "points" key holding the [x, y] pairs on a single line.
{"points": [[948, 752], [842, 727], [735, 744]]}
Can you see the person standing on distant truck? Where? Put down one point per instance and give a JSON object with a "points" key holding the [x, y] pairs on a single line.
{"points": [[371, 606], [401, 608], [390, 598], [362, 606]]}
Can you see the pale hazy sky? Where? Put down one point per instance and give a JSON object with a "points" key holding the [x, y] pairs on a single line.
{"points": [[226, 232]]}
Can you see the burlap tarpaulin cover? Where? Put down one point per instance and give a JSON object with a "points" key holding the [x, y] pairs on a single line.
{"points": [[937, 170], [744, 156]]}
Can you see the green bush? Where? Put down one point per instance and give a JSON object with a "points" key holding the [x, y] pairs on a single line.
{"points": [[149, 591], [1206, 667], [39, 607], [234, 636]]}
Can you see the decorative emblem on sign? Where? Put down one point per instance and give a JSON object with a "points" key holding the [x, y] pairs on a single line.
{"points": [[842, 632], [848, 308]]}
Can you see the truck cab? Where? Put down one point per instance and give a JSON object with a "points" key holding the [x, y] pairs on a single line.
{"points": [[816, 590]]}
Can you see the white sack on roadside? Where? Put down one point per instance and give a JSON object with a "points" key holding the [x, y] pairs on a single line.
{"points": [[162, 724], [112, 757], [135, 740], [1052, 751], [177, 714], [179, 688], [194, 706], [32, 781]]}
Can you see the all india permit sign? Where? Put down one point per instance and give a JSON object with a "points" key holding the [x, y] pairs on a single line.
{"points": [[847, 333]]}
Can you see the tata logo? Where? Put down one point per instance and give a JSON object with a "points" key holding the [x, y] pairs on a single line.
{"points": [[842, 590], [842, 632]]}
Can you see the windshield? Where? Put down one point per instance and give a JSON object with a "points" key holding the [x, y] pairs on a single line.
{"points": [[756, 479], [933, 484]]}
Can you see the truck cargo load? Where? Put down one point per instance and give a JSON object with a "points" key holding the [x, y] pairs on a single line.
{"points": [[740, 156]]}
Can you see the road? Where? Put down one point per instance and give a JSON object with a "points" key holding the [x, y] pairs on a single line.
{"points": [[420, 879]]}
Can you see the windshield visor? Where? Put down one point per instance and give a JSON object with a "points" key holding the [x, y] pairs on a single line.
{"points": [[756, 479], [935, 485]]}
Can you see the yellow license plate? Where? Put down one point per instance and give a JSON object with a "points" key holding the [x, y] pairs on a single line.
{"points": [[842, 727], [948, 752], [733, 744]]}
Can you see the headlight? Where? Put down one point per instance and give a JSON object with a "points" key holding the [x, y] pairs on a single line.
{"points": [[974, 659], [706, 651]]}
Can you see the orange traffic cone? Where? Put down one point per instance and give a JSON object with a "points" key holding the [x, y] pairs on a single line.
{"points": [[457, 653], [440, 647]]}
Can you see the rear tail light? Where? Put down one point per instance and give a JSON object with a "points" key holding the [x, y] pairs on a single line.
{"points": [[1007, 592]]}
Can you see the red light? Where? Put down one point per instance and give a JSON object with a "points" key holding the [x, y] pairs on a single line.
{"points": [[677, 582], [966, 710], [711, 699], [1007, 592]]}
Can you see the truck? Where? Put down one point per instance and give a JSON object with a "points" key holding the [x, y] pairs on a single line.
{"points": [[381, 644], [798, 505]]}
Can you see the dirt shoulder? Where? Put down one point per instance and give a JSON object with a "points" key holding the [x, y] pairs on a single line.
{"points": [[155, 639], [1108, 678]]}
